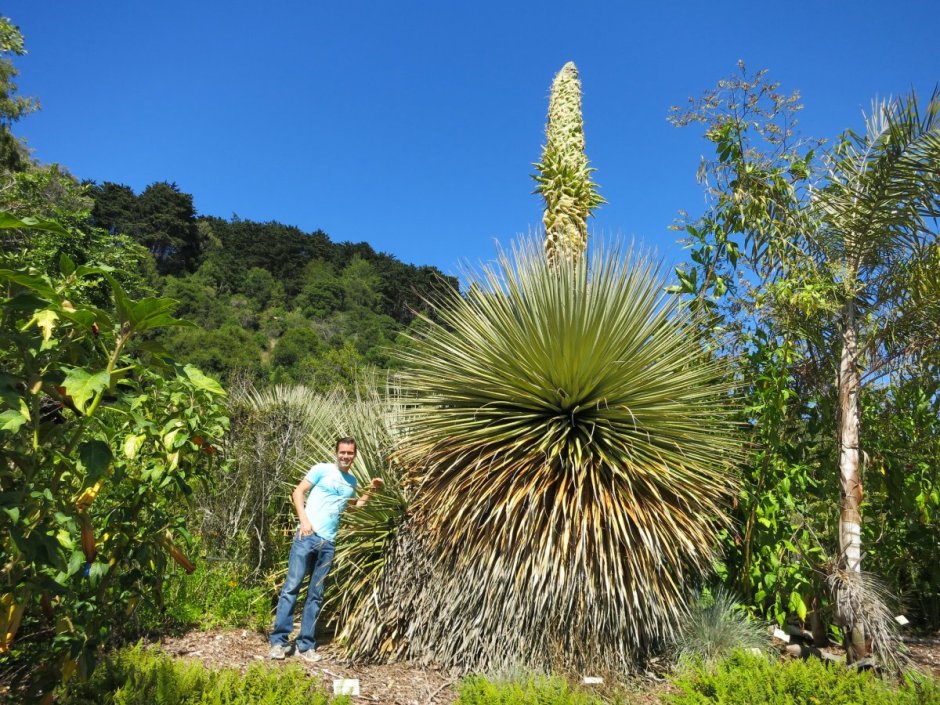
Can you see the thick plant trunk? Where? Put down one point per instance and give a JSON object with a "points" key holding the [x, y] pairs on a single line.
{"points": [[850, 516]]}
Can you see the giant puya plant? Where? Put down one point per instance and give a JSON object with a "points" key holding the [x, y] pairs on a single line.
{"points": [[568, 445]]}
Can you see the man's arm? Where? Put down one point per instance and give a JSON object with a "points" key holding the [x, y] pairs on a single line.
{"points": [[362, 501], [298, 496]]}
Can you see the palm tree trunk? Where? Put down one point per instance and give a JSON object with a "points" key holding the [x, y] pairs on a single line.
{"points": [[850, 516]]}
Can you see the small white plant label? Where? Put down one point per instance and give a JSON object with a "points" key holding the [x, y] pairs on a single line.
{"points": [[346, 686], [902, 620], [782, 635], [593, 680]]}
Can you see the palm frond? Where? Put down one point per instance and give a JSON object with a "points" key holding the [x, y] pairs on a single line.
{"points": [[860, 598], [884, 185]]}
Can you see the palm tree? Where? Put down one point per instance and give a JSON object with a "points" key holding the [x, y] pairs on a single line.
{"points": [[570, 451], [875, 221]]}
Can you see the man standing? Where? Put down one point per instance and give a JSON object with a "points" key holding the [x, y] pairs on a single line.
{"points": [[331, 488]]}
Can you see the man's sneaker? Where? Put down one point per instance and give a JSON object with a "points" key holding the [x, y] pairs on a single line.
{"points": [[310, 656], [278, 651]]}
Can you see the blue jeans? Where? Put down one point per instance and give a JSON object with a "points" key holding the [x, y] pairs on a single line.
{"points": [[311, 555]]}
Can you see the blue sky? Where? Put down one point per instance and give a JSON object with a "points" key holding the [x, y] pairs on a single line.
{"points": [[414, 125]]}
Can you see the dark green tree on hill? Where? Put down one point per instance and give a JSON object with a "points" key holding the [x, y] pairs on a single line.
{"points": [[162, 219], [12, 107]]}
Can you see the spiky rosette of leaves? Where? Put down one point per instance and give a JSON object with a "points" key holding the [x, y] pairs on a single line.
{"points": [[571, 447], [564, 177], [717, 626], [372, 417]]}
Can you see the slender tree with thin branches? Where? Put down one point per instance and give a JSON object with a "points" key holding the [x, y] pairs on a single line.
{"points": [[875, 221], [829, 261]]}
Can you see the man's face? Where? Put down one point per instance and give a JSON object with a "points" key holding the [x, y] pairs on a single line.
{"points": [[345, 455]]}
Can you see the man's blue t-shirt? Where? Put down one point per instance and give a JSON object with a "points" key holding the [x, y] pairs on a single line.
{"points": [[332, 489]]}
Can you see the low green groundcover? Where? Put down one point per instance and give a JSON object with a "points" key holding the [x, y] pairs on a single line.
{"points": [[134, 676], [477, 690], [746, 679]]}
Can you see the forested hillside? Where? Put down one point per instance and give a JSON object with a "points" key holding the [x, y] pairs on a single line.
{"points": [[271, 302]]}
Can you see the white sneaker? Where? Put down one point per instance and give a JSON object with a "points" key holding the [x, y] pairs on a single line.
{"points": [[310, 656], [278, 652]]}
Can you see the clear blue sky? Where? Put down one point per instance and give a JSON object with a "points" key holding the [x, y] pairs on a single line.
{"points": [[414, 125]]}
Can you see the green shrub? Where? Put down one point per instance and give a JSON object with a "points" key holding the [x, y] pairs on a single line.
{"points": [[747, 679], [217, 596], [477, 690], [134, 676]]}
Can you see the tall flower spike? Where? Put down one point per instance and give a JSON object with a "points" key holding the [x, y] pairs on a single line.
{"points": [[564, 177]]}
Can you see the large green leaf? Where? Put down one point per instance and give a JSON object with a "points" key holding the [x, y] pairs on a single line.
{"points": [[29, 281], [8, 221], [202, 381], [95, 456], [151, 313], [121, 301], [82, 385], [11, 420], [66, 264]]}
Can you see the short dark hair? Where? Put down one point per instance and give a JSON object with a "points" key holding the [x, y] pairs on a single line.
{"points": [[346, 440]]}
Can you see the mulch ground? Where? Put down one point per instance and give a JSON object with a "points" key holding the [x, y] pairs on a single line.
{"points": [[403, 684], [392, 684], [387, 684], [927, 655]]}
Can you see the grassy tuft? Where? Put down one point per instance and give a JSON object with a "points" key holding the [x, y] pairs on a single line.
{"points": [[716, 627]]}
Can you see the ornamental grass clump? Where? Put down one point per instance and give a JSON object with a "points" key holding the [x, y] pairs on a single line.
{"points": [[717, 626], [570, 448]]}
